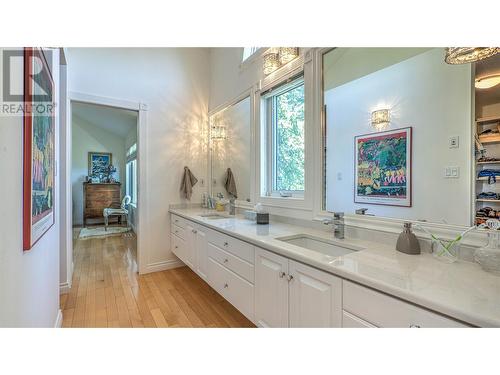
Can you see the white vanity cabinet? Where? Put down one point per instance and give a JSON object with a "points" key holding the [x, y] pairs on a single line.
{"points": [[274, 291], [365, 307], [291, 294]]}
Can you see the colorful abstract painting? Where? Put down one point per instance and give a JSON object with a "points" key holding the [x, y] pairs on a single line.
{"points": [[99, 163], [39, 148], [383, 168]]}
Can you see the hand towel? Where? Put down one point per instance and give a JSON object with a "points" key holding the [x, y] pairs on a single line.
{"points": [[230, 183], [187, 183]]}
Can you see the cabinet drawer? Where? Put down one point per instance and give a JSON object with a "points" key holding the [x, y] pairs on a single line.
{"points": [[232, 245], [239, 292], [179, 248], [352, 321], [235, 264], [382, 310], [179, 221], [178, 231]]}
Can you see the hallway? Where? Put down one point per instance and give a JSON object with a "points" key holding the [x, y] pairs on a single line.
{"points": [[107, 292]]}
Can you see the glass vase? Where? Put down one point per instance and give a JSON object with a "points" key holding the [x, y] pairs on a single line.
{"points": [[445, 250], [489, 256]]}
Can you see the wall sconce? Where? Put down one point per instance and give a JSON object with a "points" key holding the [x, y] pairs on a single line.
{"points": [[380, 119], [271, 62], [218, 132], [487, 82], [464, 55], [287, 54]]}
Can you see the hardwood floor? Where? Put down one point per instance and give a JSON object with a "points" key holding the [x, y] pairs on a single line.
{"points": [[107, 292]]}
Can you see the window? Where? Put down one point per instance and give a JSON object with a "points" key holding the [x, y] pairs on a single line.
{"points": [[248, 51], [285, 134], [131, 173]]}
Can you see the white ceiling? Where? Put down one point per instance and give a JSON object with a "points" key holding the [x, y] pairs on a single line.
{"points": [[114, 120]]}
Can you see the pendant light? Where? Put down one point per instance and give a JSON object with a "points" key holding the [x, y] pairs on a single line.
{"points": [[464, 55]]}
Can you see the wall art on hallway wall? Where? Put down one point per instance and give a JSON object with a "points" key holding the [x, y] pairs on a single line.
{"points": [[39, 147]]}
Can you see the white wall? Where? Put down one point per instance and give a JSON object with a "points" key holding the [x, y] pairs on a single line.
{"points": [[230, 78], [174, 83], [422, 92], [29, 281], [88, 137]]}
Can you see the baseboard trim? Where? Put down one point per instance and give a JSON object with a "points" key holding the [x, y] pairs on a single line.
{"points": [[59, 319], [162, 266], [64, 288]]}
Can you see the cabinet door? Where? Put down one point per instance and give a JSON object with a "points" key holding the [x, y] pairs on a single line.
{"points": [[201, 253], [271, 289], [190, 246], [315, 297]]}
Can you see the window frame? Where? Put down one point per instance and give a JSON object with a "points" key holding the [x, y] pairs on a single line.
{"points": [[131, 174], [270, 100]]}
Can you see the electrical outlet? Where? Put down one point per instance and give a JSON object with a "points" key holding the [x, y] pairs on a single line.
{"points": [[454, 142]]}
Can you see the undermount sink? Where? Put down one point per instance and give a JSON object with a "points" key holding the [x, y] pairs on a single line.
{"points": [[213, 216], [320, 245]]}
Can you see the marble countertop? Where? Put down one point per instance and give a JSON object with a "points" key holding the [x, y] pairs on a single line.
{"points": [[461, 290]]}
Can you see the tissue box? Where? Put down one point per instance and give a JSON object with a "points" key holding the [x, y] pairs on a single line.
{"points": [[250, 215], [262, 218]]}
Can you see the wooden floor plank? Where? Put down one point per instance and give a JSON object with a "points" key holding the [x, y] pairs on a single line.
{"points": [[107, 292]]}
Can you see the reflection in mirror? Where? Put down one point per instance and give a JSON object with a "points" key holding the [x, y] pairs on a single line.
{"points": [[397, 133], [230, 149]]}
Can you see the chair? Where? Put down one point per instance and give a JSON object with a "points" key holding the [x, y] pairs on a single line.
{"points": [[122, 211]]}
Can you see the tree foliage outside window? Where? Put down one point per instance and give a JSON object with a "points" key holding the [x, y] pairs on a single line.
{"points": [[289, 140]]}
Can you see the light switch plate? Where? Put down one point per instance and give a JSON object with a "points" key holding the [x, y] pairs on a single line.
{"points": [[454, 142], [452, 172]]}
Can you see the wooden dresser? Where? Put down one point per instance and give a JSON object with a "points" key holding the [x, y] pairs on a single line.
{"points": [[97, 197]]}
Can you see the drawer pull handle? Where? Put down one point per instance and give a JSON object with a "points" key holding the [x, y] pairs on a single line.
{"points": [[226, 244], [225, 285], [290, 278], [414, 326], [226, 260], [282, 274]]}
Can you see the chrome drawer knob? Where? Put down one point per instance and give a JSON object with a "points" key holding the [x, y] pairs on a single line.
{"points": [[177, 247], [226, 260], [225, 285], [290, 277], [226, 244], [282, 274], [414, 326]]}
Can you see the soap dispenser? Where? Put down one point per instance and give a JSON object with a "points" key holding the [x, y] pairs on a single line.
{"points": [[407, 241]]}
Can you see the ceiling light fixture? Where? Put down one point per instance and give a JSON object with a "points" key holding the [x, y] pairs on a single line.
{"points": [[287, 54], [487, 81], [464, 55]]}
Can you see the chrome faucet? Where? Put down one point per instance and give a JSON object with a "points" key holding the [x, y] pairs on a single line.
{"points": [[232, 207], [338, 224]]}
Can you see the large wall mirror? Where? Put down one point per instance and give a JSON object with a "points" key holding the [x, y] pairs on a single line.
{"points": [[230, 152], [398, 134]]}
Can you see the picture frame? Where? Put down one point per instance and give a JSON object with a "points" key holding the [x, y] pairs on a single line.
{"points": [[99, 162], [38, 148], [383, 168]]}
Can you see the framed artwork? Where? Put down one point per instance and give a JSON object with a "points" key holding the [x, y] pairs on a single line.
{"points": [[383, 168], [99, 163], [39, 148]]}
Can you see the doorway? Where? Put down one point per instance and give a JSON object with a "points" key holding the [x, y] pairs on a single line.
{"points": [[104, 115]]}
